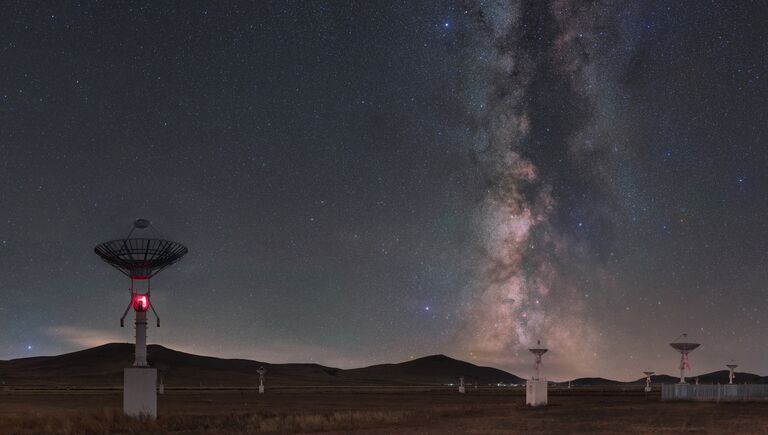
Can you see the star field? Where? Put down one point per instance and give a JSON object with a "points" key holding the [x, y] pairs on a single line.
{"points": [[363, 182]]}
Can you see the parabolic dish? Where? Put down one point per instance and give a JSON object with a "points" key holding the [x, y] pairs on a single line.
{"points": [[538, 351], [140, 258], [684, 347]]}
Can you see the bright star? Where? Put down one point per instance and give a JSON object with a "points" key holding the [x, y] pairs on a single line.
{"points": [[29, 347], [446, 24], [426, 308]]}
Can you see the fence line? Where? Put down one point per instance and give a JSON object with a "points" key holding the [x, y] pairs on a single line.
{"points": [[715, 392]]}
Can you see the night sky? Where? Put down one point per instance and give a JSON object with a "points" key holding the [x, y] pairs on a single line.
{"points": [[363, 182]]}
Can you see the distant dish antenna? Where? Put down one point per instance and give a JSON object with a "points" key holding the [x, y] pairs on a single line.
{"points": [[731, 368], [536, 388], [538, 352], [462, 390], [684, 347], [261, 371], [648, 375]]}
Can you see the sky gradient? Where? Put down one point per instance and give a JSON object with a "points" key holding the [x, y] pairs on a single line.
{"points": [[363, 182]]}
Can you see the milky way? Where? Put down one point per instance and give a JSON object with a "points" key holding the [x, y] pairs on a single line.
{"points": [[535, 89]]}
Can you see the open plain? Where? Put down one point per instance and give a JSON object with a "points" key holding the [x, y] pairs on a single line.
{"points": [[373, 410]]}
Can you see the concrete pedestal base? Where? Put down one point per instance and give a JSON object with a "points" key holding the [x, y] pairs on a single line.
{"points": [[536, 392], [647, 389], [261, 389], [462, 390], [140, 392]]}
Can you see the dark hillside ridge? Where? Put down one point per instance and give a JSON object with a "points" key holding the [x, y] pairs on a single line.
{"points": [[103, 366]]}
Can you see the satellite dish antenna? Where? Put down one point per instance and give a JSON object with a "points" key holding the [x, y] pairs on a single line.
{"points": [[140, 259], [731, 368], [684, 347], [536, 388], [462, 389], [648, 375], [261, 371]]}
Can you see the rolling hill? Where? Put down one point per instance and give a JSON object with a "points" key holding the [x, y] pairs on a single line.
{"points": [[720, 376], [594, 382], [103, 366], [435, 369]]}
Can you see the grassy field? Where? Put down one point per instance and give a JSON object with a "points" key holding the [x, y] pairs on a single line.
{"points": [[374, 411]]}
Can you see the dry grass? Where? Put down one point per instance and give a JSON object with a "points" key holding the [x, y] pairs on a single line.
{"points": [[378, 412], [108, 421]]}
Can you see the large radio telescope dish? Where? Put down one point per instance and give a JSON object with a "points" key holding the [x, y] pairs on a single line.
{"points": [[684, 347], [140, 258]]}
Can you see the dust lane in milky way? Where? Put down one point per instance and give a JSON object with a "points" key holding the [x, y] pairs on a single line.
{"points": [[543, 89]]}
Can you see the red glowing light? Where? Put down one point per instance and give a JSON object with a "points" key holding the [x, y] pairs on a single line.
{"points": [[140, 302]]}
